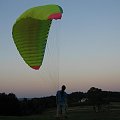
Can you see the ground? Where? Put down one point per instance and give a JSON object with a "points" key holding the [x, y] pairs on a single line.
{"points": [[76, 113]]}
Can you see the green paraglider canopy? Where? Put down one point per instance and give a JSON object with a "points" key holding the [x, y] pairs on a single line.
{"points": [[30, 32]]}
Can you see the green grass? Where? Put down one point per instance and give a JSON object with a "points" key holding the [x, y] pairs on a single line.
{"points": [[75, 113]]}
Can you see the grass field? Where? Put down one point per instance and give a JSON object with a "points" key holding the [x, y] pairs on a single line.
{"points": [[75, 113]]}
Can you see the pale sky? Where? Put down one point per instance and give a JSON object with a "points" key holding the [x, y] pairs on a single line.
{"points": [[83, 49]]}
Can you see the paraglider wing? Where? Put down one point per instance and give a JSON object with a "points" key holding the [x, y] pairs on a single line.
{"points": [[30, 32]]}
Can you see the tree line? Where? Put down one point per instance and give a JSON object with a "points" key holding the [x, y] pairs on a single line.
{"points": [[11, 105]]}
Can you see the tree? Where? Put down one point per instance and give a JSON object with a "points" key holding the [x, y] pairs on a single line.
{"points": [[95, 98]]}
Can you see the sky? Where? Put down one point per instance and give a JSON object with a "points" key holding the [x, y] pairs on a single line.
{"points": [[83, 49]]}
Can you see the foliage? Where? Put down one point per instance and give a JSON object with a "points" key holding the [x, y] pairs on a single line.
{"points": [[10, 105]]}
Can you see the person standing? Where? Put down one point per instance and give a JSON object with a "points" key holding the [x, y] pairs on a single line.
{"points": [[61, 101]]}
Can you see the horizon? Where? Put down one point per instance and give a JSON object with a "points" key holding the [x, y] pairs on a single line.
{"points": [[55, 95], [29, 97]]}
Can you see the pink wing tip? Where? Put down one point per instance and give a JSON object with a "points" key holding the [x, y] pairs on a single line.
{"points": [[35, 67], [55, 16]]}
